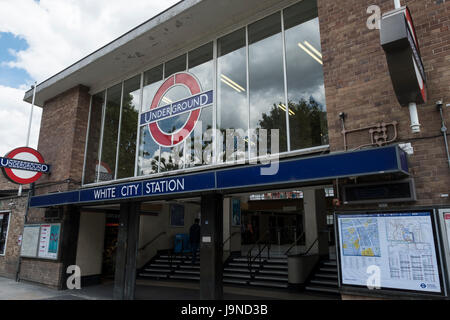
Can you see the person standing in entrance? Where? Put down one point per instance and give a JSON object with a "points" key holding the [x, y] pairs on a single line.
{"points": [[194, 239]]}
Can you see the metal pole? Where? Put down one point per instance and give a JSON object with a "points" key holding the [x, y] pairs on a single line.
{"points": [[19, 193], [397, 4], [31, 115]]}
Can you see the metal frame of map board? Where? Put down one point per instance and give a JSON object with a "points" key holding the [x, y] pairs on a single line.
{"points": [[445, 240], [347, 288], [37, 257]]}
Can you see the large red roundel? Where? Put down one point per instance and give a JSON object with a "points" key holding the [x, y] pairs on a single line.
{"points": [[23, 176], [170, 140]]}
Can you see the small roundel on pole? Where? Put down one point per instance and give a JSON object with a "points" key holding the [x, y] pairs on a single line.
{"points": [[24, 165]]}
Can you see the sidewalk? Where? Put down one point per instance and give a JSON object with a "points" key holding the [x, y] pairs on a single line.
{"points": [[145, 290]]}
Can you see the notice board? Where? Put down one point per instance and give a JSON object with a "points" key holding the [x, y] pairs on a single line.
{"points": [[401, 244], [41, 241], [30, 240]]}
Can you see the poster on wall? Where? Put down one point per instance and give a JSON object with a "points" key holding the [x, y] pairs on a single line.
{"points": [[236, 212], [447, 225], [30, 240], [49, 241], [401, 246], [176, 215]]}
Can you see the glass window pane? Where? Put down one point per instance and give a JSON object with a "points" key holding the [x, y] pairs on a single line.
{"points": [[152, 81], [128, 134], [232, 107], [267, 99], [148, 160], [110, 131], [201, 65], [95, 127], [175, 65], [306, 91]]}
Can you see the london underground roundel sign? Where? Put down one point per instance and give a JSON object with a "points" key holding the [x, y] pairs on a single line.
{"points": [[190, 105], [24, 165]]}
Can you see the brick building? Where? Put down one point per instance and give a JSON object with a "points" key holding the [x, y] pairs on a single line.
{"points": [[132, 167]]}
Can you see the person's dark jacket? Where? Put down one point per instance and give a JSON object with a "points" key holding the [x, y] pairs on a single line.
{"points": [[194, 234]]}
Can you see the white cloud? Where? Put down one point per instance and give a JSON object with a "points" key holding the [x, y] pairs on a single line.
{"points": [[14, 117], [58, 33]]}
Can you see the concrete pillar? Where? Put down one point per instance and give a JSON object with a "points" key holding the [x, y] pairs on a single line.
{"points": [[315, 220], [68, 249], [211, 247], [226, 224], [126, 255]]}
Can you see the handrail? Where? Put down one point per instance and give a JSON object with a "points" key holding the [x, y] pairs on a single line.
{"points": [[310, 247], [231, 236], [153, 240], [294, 243], [250, 261]]}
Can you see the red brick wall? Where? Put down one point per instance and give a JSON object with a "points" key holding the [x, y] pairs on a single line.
{"points": [[62, 137], [357, 82], [61, 143], [16, 207]]}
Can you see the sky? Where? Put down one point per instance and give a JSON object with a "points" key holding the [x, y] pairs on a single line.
{"points": [[40, 38]]}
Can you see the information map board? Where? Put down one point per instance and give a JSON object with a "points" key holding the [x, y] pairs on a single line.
{"points": [[41, 241], [400, 245]]}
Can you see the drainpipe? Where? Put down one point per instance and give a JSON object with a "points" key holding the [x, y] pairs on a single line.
{"points": [[439, 105], [415, 125]]}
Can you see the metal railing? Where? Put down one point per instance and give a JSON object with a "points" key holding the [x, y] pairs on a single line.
{"points": [[294, 244], [231, 236], [151, 241], [262, 244]]}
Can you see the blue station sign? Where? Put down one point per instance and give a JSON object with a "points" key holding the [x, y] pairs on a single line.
{"points": [[318, 168]]}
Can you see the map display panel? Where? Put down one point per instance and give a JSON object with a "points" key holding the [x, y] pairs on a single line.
{"points": [[401, 245]]}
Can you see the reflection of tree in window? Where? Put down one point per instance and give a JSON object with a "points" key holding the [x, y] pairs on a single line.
{"points": [[111, 128], [128, 135], [310, 121]]}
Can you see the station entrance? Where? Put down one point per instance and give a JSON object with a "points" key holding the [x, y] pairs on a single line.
{"points": [[260, 233]]}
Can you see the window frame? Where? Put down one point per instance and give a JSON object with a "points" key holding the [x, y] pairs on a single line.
{"points": [[7, 232]]}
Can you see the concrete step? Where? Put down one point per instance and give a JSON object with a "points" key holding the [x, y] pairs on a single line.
{"points": [[182, 277], [189, 267], [322, 289], [268, 284], [237, 275], [328, 269], [187, 272], [326, 275], [239, 264], [242, 282], [325, 282], [271, 278], [240, 259], [274, 272], [274, 266], [156, 270], [167, 261], [332, 263], [153, 275], [160, 265], [242, 270]]}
